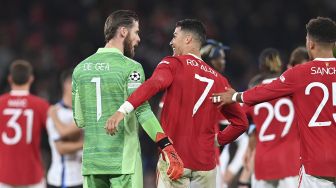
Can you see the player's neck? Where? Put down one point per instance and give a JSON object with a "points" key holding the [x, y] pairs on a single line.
{"points": [[323, 54], [25, 87], [114, 43], [194, 52]]}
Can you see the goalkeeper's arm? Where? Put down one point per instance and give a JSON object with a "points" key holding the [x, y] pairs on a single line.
{"points": [[152, 127]]}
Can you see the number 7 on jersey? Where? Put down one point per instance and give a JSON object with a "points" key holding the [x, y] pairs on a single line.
{"points": [[210, 83]]}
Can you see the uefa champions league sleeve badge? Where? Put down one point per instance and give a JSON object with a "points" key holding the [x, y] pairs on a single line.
{"points": [[135, 76]]}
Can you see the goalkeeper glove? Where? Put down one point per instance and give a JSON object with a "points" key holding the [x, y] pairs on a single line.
{"points": [[175, 164]]}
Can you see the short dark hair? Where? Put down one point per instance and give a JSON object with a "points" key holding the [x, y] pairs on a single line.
{"points": [[298, 55], [269, 61], [194, 26], [20, 71], [66, 74], [117, 19], [322, 30]]}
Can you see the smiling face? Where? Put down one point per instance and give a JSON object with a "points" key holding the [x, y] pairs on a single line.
{"points": [[131, 40], [177, 43]]}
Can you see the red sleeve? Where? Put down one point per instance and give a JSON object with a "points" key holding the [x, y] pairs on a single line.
{"points": [[247, 109], [283, 86], [239, 123], [162, 77]]}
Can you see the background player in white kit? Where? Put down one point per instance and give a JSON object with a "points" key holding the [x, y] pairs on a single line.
{"points": [[65, 141]]}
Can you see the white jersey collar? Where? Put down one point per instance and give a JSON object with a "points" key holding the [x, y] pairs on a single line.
{"points": [[19, 92], [325, 59], [195, 56]]}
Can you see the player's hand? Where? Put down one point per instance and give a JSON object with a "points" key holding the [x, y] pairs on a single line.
{"points": [[247, 158], [175, 164], [223, 98], [112, 123], [228, 176]]}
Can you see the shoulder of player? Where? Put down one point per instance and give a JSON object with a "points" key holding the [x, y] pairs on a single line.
{"points": [[170, 59], [262, 79], [175, 59], [39, 100], [223, 79], [4, 97], [129, 60], [111, 57]]}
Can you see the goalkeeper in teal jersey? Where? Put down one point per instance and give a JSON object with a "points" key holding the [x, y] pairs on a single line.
{"points": [[100, 84]]}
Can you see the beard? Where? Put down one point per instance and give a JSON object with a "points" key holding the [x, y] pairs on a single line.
{"points": [[128, 48]]}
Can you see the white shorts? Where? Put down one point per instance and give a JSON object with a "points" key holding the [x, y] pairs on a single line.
{"points": [[288, 182], [41, 184], [219, 179], [190, 179], [308, 181]]}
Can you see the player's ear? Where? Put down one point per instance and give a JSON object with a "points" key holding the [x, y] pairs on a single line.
{"points": [[31, 79], [123, 31], [188, 39], [310, 44], [9, 79]]}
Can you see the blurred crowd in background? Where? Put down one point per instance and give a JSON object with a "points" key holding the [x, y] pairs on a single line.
{"points": [[56, 35]]}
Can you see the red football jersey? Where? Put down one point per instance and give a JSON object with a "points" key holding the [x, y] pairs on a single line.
{"points": [[188, 115], [22, 118], [312, 87], [278, 148]]}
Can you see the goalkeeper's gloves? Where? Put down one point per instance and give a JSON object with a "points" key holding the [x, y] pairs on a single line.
{"points": [[175, 164]]}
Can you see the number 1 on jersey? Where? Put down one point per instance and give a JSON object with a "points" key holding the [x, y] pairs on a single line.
{"points": [[210, 83], [98, 96]]}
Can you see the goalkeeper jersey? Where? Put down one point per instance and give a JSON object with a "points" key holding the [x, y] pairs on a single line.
{"points": [[100, 84]]}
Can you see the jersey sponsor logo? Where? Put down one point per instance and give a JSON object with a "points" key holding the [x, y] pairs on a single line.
{"points": [[323, 70], [194, 63], [135, 76]]}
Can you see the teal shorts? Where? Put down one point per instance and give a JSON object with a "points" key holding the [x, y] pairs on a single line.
{"points": [[134, 180]]}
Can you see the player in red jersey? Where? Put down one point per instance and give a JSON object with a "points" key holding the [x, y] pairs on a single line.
{"points": [[271, 68], [312, 87], [188, 117], [276, 131], [22, 118]]}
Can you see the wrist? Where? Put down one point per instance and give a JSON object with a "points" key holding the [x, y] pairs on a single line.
{"points": [[126, 108], [237, 97], [234, 97], [162, 140]]}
